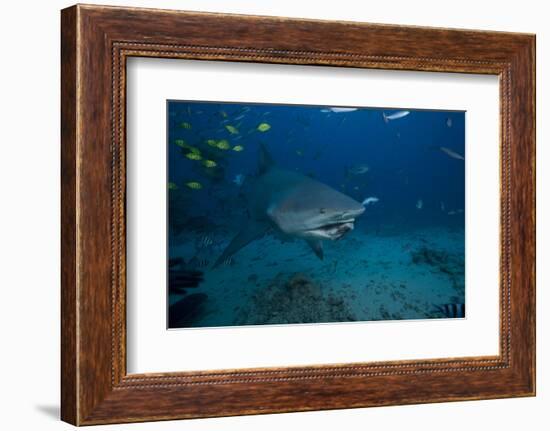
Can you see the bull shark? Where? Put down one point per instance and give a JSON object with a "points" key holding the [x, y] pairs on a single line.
{"points": [[293, 205]]}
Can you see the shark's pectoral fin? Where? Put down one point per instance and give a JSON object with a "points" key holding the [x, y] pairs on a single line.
{"points": [[253, 230], [317, 247]]}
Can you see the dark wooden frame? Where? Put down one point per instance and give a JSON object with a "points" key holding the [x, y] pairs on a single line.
{"points": [[95, 43]]}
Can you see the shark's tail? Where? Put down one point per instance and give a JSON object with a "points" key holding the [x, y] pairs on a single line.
{"points": [[385, 117]]}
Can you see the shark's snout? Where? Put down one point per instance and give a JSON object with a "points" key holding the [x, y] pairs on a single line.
{"points": [[354, 213]]}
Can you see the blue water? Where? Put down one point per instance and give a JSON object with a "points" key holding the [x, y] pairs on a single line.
{"points": [[403, 260]]}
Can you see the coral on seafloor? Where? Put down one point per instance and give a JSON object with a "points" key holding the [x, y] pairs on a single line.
{"points": [[293, 298], [449, 264]]}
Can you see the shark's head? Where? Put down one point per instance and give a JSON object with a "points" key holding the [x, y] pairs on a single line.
{"points": [[314, 211]]}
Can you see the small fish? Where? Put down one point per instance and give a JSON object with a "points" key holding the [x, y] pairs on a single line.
{"points": [[212, 142], [205, 241], [229, 261], [193, 156], [451, 213], [240, 117], [239, 179], [370, 200], [198, 262], [451, 153], [182, 144], [232, 129], [185, 125], [299, 152], [442, 205], [337, 110], [238, 148], [419, 204], [223, 144], [358, 170], [395, 115], [263, 127], [451, 310], [210, 163], [449, 122], [172, 186], [194, 185], [223, 114]]}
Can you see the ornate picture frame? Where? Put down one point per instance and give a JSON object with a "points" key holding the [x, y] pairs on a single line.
{"points": [[96, 42]]}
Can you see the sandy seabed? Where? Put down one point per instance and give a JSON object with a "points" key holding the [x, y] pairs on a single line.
{"points": [[363, 277]]}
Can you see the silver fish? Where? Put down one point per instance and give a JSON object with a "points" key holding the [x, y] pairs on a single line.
{"points": [[451, 153], [395, 115], [358, 170], [370, 200], [337, 110]]}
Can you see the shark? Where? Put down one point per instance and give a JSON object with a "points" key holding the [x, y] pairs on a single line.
{"points": [[290, 204]]}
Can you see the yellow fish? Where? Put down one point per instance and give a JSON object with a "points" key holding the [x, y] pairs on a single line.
{"points": [[210, 163], [263, 127], [194, 185], [180, 143], [231, 129], [212, 142], [172, 186], [224, 114], [185, 125], [193, 156], [223, 144], [193, 149], [238, 148]]}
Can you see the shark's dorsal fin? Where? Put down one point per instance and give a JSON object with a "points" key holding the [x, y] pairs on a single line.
{"points": [[265, 161]]}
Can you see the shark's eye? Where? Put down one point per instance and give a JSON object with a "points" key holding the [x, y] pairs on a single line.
{"points": [[322, 210]]}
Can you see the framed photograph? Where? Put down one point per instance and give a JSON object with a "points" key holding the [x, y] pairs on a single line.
{"points": [[281, 220]]}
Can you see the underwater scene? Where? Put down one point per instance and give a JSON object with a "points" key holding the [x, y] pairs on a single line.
{"points": [[301, 214]]}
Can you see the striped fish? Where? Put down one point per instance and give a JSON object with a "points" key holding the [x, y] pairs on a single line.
{"points": [[229, 261], [205, 241], [198, 262], [451, 311]]}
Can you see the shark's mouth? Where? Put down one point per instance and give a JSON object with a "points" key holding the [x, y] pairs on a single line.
{"points": [[332, 231]]}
